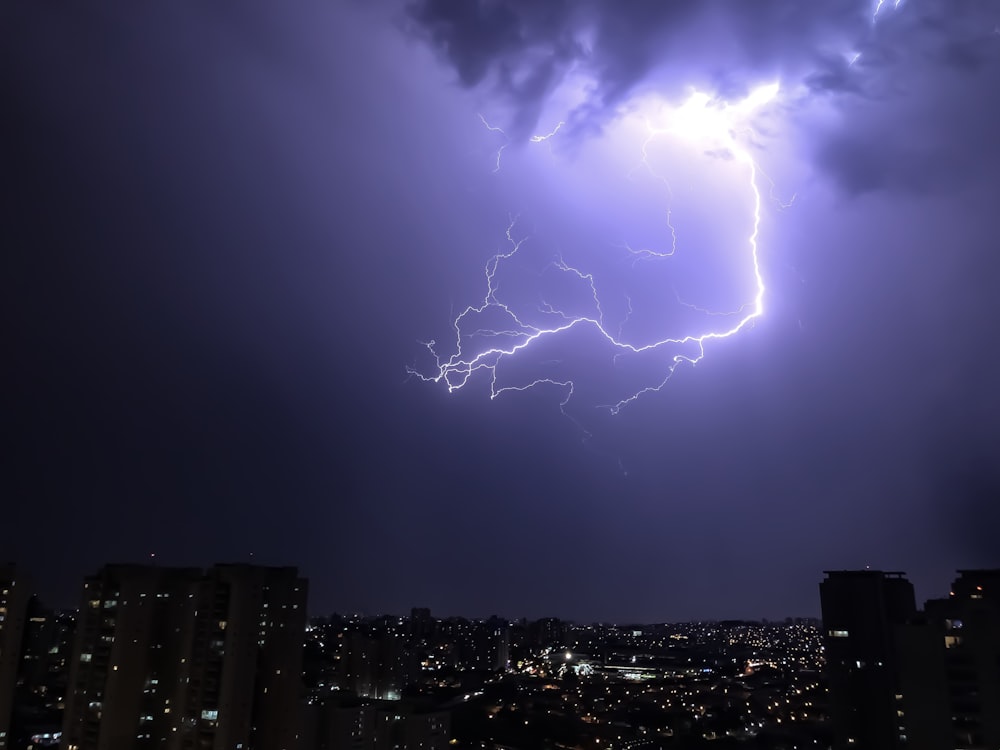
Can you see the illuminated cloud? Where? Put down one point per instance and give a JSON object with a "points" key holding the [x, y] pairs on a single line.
{"points": [[573, 73], [504, 329], [532, 57]]}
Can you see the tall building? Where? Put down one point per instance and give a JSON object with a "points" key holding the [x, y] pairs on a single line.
{"points": [[181, 658], [475, 644], [14, 599], [549, 632], [493, 644], [950, 667], [421, 623], [377, 666], [43, 675], [862, 611]]}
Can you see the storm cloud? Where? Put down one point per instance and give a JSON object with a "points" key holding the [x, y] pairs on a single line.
{"points": [[905, 80]]}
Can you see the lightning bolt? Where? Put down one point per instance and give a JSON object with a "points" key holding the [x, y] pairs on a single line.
{"points": [[485, 347], [534, 139], [878, 8], [504, 145], [690, 122], [541, 138], [643, 253], [509, 331]]}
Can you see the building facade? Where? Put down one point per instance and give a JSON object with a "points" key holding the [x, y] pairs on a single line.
{"points": [[183, 658], [14, 599], [862, 611], [950, 667]]}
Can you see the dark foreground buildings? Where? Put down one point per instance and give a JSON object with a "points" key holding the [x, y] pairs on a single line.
{"points": [[861, 611], [184, 658], [899, 677], [950, 667], [14, 599]]}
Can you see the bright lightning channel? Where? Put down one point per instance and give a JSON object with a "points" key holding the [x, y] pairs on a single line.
{"points": [[699, 119], [505, 144], [878, 8], [540, 138]]}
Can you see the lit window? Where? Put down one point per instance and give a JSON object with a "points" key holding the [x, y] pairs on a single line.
{"points": [[838, 634]]}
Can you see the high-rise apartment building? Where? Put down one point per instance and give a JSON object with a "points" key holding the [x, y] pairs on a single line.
{"points": [[950, 667], [14, 599], [476, 644], [421, 623], [862, 611], [493, 644], [39, 697], [549, 632], [377, 666], [181, 658]]}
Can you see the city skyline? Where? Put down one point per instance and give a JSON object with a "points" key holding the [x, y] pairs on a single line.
{"points": [[230, 234], [42, 591], [224, 655]]}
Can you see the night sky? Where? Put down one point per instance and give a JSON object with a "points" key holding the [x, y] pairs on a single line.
{"points": [[228, 227]]}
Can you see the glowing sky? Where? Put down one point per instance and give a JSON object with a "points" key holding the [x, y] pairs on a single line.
{"points": [[557, 62], [229, 229], [500, 330]]}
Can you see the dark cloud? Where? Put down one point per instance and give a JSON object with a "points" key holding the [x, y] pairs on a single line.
{"points": [[865, 163], [836, 74], [932, 132], [520, 51], [620, 45], [472, 35]]}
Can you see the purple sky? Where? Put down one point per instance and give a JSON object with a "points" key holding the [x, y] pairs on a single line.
{"points": [[227, 228]]}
